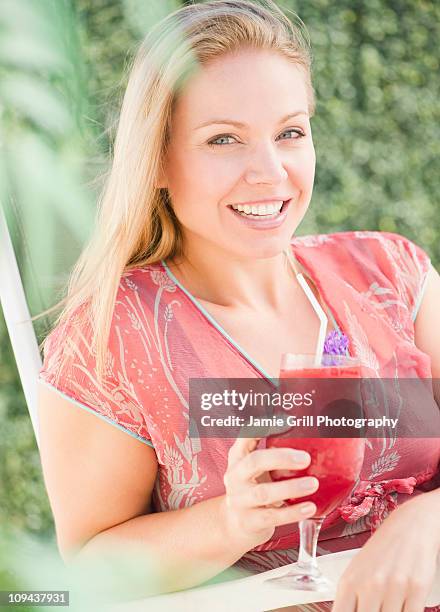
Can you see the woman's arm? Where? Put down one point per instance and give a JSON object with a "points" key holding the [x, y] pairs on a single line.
{"points": [[191, 545], [179, 549], [394, 571], [100, 481]]}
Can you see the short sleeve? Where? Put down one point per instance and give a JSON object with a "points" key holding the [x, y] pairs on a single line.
{"points": [[69, 367], [408, 265]]}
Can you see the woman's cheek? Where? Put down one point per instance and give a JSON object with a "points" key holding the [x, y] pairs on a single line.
{"points": [[303, 172], [228, 167]]}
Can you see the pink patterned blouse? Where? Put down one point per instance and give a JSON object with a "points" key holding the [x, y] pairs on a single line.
{"points": [[372, 283]]}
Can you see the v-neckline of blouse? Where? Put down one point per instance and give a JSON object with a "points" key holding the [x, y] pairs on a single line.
{"points": [[240, 350]]}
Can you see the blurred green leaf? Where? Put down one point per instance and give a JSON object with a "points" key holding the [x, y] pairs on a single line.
{"points": [[27, 18], [142, 16], [26, 52], [36, 101]]}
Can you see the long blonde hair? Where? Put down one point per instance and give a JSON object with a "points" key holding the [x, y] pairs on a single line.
{"points": [[135, 223]]}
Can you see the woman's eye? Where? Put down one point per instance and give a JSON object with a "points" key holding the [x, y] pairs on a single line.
{"points": [[299, 132], [223, 137]]}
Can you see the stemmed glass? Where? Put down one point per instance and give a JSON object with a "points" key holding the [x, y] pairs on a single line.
{"points": [[335, 461]]}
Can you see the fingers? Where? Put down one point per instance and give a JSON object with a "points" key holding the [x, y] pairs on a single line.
{"points": [[263, 518], [254, 504], [418, 592], [241, 448], [345, 599], [371, 602], [345, 602], [395, 595], [266, 493], [267, 459]]}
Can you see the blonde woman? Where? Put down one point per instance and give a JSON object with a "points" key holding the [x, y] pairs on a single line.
{"points": [[191, 273]]}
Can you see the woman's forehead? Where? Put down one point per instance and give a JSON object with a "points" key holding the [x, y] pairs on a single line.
{"points": [[243, 84]]}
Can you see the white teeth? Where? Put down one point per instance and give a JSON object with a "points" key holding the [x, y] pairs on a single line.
{"points": [[259, 209]]}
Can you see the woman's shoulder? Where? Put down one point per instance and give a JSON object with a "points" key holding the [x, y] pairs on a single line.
{"points": [[148, 278], [69, 364], [132, 309], [366, 248], [372, 261], [353, 239]]}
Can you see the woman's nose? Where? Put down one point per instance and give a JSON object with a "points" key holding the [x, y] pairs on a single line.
{"points": [[265, 165]]}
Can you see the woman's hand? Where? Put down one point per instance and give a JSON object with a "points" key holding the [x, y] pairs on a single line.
{"points": [[253, 503], [395, 569]]}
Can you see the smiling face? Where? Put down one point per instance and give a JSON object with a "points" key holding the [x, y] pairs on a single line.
{"points": [[266, 154]]}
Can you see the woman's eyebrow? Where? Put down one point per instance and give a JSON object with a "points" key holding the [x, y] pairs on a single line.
{"points": [[244, 125]]}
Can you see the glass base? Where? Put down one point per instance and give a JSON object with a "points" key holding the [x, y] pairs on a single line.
{"points": [[298, 579]]}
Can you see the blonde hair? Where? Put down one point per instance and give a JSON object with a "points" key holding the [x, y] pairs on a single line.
{"points": [[135, 224]]}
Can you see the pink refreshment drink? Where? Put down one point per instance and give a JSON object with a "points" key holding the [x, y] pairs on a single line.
{"points": [[335, 462]]}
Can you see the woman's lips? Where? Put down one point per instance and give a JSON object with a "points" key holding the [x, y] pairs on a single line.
{"points": [[261, 222]]}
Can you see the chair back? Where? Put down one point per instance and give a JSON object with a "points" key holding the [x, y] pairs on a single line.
{"points": [[20, 328]]}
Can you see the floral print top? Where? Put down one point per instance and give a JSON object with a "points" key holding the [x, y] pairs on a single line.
{"points": [[372, 283]]}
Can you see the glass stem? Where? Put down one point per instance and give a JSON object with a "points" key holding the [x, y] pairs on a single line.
{"points": [[308, 540]]}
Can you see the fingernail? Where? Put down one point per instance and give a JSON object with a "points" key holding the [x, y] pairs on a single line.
{"points": [[300, 456], [307, 509], [308, 485]]}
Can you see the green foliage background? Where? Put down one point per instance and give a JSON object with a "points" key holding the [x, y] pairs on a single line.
{"points": [[376, 132]]}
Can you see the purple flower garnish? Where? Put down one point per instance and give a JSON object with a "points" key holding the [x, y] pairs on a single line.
{"points": [[336, 343]]}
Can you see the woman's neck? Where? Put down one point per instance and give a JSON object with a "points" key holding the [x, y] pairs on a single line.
{"points": [[227, 280]]}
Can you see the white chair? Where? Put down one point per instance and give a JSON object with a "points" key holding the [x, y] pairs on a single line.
{"points": [[18, 321]]}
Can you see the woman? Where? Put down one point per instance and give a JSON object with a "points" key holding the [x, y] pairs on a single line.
{"points": [[184, 278]]}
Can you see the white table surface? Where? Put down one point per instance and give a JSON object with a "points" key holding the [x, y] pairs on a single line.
{"points": [[252, 594]]}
